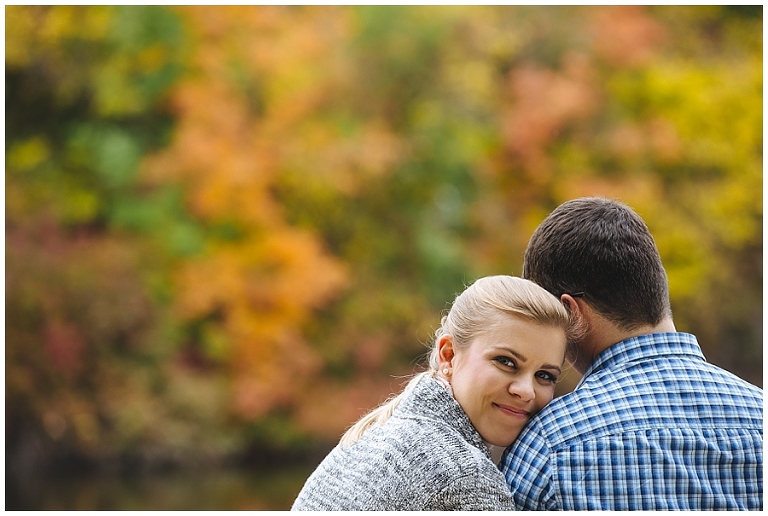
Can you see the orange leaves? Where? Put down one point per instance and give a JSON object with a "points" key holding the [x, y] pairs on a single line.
{"points": [[227, 172], [284, 273], [262, 291], [544, 102], [330, 408], [346, 163], [260, 283], [275, 376], [625, 35], [219, 155], [323, 179]]}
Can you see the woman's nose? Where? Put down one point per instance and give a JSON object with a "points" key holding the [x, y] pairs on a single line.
{"points": [[523, 388]]}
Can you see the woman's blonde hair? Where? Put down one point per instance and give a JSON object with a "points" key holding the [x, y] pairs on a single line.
{"points": [[485, 303]]}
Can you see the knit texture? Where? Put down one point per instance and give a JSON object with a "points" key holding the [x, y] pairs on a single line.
{"points": [[427, 456]]}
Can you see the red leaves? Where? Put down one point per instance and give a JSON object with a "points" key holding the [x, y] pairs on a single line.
{"points": [[64, 346]]}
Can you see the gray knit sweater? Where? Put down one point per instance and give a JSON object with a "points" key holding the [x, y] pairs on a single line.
{"points": [[427, 456]]}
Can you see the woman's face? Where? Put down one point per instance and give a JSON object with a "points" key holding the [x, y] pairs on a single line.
{"points": [[505, 376]]}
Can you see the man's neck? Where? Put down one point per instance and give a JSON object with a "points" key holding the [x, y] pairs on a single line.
{"points": [[603, 334]]}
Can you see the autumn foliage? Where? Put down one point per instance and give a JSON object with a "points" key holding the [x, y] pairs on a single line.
{"points": [[228, 225]]}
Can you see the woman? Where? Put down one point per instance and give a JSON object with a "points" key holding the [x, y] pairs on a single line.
{"points": [[494, 364]]}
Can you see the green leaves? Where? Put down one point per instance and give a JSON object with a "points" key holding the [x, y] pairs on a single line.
{"points": [[271, 205]]}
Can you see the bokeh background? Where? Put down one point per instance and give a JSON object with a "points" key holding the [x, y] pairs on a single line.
{"points": [[230, 231]]}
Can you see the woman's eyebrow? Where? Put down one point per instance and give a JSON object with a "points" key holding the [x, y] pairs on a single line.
{"points": [[523, 358], [511, 351]]}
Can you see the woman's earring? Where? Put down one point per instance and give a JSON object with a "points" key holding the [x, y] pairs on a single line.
{"points": [[446, 371]]}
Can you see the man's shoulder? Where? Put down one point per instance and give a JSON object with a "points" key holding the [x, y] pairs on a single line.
{"points": [[671, 391]]}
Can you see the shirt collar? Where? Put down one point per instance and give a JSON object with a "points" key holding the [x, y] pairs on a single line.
{"points": [[645, 346]]}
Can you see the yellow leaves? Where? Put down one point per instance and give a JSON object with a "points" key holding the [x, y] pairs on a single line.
{"points": [[26, 155], [32, 189], [715, 111], [152, 57], [79, 205], [709, 120], [684, 257], [32, 31], [731, 211], [20, 25], [474, 79], [86, 426], [114, 94], [96, 49], [87, 22]]}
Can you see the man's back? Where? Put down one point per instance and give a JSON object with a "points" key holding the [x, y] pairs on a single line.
{"points": [[652, 426]]}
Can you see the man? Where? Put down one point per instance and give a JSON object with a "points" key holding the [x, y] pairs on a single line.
{"points": [[651, 425]]}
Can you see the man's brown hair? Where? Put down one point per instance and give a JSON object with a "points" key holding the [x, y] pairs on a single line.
{"points": [[602, 248]]}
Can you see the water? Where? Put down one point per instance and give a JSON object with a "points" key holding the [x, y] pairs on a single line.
{"points": [[220, 490]]}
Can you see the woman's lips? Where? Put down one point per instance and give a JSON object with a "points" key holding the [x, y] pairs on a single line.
{"points": [[513, 411]]}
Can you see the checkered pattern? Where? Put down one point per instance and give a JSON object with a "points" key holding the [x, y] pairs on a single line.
{"points": [[651, 426]]}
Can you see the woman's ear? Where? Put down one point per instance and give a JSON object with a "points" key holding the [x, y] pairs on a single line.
{"points": [[445, 351]]}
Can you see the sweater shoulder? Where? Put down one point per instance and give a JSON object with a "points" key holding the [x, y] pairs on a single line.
{"points": [[401, 465], [423, 440]]}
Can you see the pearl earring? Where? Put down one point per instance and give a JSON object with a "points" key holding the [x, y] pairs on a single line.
{"points": [[446, 370]]}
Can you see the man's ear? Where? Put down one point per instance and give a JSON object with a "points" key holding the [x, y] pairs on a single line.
{"points": [[445, 351], [573, 307]]}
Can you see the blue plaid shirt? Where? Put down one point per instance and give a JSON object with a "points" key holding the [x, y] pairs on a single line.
{"points": [[651, 426]]}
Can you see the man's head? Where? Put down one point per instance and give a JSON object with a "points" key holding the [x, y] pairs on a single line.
{"points": [[602, 248]]}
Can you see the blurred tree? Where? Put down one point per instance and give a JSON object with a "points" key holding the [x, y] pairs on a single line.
{"points": [[661, 108], [96, 363], [232, 224]]}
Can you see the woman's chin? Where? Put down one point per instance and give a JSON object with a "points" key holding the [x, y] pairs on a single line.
{"points": [[502, 442]]}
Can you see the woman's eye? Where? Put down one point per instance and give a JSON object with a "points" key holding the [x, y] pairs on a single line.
{"points": [[505, 361], [549, 377]]}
